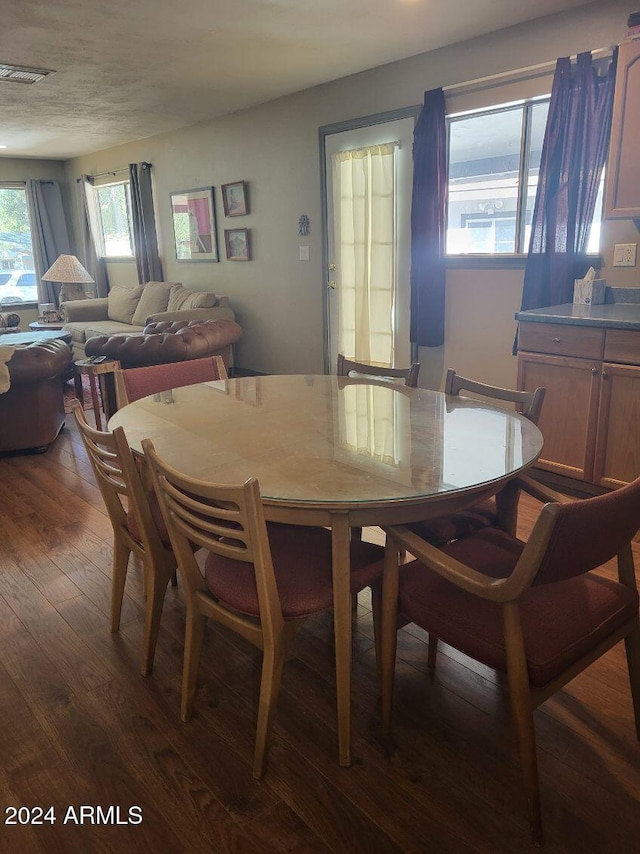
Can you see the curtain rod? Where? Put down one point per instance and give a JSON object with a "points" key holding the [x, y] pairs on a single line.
{"points": [[110, 172], [528, 73]]}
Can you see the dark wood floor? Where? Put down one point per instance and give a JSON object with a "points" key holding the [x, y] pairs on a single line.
{"points": [[80, 726]]}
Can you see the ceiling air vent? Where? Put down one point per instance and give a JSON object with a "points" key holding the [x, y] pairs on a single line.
{"points": [[22, 74]]}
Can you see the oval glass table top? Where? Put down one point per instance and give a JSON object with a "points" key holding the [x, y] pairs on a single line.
{"points": [[331, 440]]}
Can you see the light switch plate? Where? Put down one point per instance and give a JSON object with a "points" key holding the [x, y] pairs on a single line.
{"points": [[624, 254], [303, 253]]}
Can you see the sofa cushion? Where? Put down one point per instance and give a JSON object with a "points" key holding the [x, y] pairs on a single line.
{"points": [[182, 298], [110, 327], [81, 332], [122, 303], [155, 298]]}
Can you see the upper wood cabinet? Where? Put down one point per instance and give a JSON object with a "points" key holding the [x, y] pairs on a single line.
{"points": [[622, 182]]}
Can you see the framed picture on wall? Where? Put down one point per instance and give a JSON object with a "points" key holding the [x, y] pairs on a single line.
{"points": [[237, 244], [194, 225], [235, 199]]}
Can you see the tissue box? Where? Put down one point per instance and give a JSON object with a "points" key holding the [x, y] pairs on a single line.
{"points": [[589, 292]]}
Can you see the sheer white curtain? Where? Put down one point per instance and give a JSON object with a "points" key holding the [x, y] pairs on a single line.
{"points": [[364, 186]]}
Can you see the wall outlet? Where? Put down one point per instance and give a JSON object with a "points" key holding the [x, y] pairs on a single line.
{"points": [[303, 253], [624, 254]]}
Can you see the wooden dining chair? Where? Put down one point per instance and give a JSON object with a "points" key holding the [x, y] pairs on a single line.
{"points": [[536, 611], [138, 527], [259, 581], [350, 368], [499, 511], [452, 526], [134, 383]]}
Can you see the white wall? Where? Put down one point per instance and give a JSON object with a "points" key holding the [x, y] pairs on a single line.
{"points": [[279, 299]]}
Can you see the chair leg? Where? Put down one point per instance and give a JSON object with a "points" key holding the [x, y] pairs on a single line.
{"points": [[192, 648], [376, 608], [432, 651], [272, 664], [121, 554], [632, 648], [389, 632], [156, 591], [522, 710]]}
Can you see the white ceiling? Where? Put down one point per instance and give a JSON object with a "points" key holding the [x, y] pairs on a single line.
{"points": [[128, 69]]}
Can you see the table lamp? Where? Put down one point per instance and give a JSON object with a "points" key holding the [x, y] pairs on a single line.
{"points": [[67, 270]]}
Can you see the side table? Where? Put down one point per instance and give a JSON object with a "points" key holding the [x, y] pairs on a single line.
{"points": [[98, 372], [39, 326]]}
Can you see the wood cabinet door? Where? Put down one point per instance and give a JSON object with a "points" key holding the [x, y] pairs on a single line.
{"points": [[569, 413], [618, 444], [622, 181]]}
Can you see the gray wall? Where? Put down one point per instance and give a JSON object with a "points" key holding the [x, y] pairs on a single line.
{"points": [[279, 299]]}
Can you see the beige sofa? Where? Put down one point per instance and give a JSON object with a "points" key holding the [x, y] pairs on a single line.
{"points": [[127, 310]]}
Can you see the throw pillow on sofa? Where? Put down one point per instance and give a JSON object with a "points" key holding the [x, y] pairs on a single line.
{"points": [[154, 299], [182, 299], [122, 303]]}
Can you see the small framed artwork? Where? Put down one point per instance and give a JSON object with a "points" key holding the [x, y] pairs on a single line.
{"points": [[194, 225], [235, 199], [237, 244]]}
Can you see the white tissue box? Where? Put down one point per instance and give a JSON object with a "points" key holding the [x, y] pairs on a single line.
{"points": [[589, 292]]}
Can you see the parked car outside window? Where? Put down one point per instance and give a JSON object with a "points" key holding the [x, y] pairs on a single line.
{"points": [[18, 286]]}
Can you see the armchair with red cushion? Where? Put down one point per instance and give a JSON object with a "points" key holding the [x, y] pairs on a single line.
{"points": [[537, 611]]}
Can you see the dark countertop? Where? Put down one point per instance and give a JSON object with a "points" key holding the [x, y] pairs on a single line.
{"points": [[613, 316]]}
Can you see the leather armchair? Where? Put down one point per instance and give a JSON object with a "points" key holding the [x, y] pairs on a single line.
{"points": [[32, 410], [169, 342]]}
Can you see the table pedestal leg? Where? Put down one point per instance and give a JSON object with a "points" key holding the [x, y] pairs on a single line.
{"points": [[93, 384], [341, 571]]}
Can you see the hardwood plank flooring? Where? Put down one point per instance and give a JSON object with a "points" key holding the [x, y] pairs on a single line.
{"points": [[80, 726]]}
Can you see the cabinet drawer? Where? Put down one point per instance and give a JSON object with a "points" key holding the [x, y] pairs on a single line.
{"points": [[622, 345], [558, 339]]}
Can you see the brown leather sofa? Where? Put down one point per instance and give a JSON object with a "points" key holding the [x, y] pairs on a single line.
{"points": [[32, 410], [169, 342]]}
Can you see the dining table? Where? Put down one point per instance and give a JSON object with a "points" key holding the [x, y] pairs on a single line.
{"points": [[337, 452]]}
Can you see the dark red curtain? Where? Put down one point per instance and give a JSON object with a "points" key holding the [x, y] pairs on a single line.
{"points": [[573, 155], [428, 222]]}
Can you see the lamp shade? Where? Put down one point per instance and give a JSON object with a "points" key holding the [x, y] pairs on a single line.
{"points": [[67, 268]]}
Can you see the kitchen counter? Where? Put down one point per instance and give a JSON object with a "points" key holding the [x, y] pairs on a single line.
{"points": [[611, 316]]}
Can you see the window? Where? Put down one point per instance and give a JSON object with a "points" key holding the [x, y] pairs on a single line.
{"points": [[17, 277], [494, 160], [113, 206]]}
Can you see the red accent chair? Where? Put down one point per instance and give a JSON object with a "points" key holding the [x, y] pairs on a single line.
{"points": [[535, 611]]}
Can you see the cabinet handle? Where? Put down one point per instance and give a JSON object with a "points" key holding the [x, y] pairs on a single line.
{"points": [[555, 340], [594, 371]]}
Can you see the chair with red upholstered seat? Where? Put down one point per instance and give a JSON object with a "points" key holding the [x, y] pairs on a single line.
{"points": [[134, 383], [350, 368], [260, 581], [533, 610], [138, 527], [443, 529]]}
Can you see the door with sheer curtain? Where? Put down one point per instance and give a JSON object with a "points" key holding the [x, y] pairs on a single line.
{"points": [[368, 178]]}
